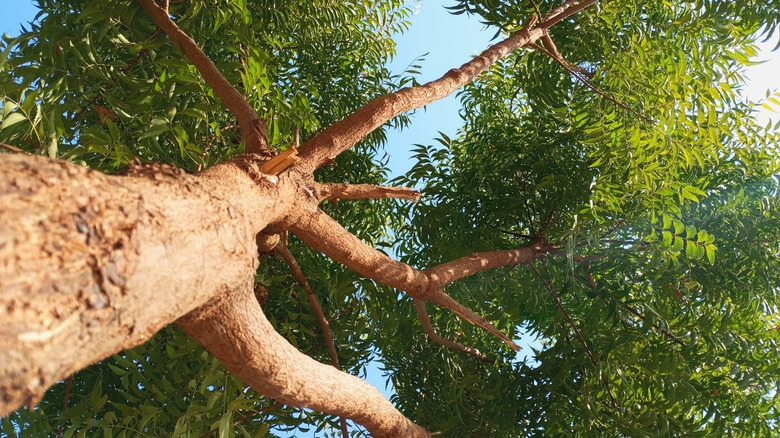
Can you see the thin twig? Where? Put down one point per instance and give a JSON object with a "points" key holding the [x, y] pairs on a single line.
{"points": [[254, 130], [211, 141], [665, 332], [576, 330], [572, 324], [65, 401], [243, 418], [125, 69], [538, 12], [522, 236], [587, 83], [431, 332], [13, 148], [285, 253], [549, 44]]}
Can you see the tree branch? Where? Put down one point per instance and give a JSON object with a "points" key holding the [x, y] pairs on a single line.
{"points": [[571, 322], [563, 63], [431, 332], [339, 191], [553, 51], [350, 130], [636, 313], [235, 330], [285, 253], [345, 134], [253, 129], [563, 12], [322, 233]]}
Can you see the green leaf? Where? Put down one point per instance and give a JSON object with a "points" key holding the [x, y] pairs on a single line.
{"points": [[12, 119]]}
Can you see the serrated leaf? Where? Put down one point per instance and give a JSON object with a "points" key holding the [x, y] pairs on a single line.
{"points": [[12, 119]]}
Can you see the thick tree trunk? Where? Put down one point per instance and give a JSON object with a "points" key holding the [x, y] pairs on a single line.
{"points": [[92, 264]]}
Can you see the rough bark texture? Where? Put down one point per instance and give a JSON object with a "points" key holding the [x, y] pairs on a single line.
{"points": [[323, 233], [349, 131], [236, 331], [83, 254]]}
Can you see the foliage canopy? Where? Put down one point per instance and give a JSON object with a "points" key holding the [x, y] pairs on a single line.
{"points": [[658, 314]]}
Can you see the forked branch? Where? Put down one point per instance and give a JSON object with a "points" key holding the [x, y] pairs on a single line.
{"points": [[262, 358], [422, 312], [322, 233], [253, 129]]}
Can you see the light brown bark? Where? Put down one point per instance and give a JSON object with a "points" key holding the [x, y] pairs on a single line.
{"points": [[83, 254], [338, 191], [253, 129], [324, 234], [235, 330], [348, 132]]}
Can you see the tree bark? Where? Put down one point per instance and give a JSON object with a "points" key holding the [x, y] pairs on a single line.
{"points": [[83, 254], [235, 330]]}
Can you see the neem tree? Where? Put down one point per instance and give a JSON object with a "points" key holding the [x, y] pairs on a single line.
{"points": [[609, 194]]}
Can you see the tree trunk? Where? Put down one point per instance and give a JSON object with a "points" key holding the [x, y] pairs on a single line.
{"points": [[92, 264]]}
